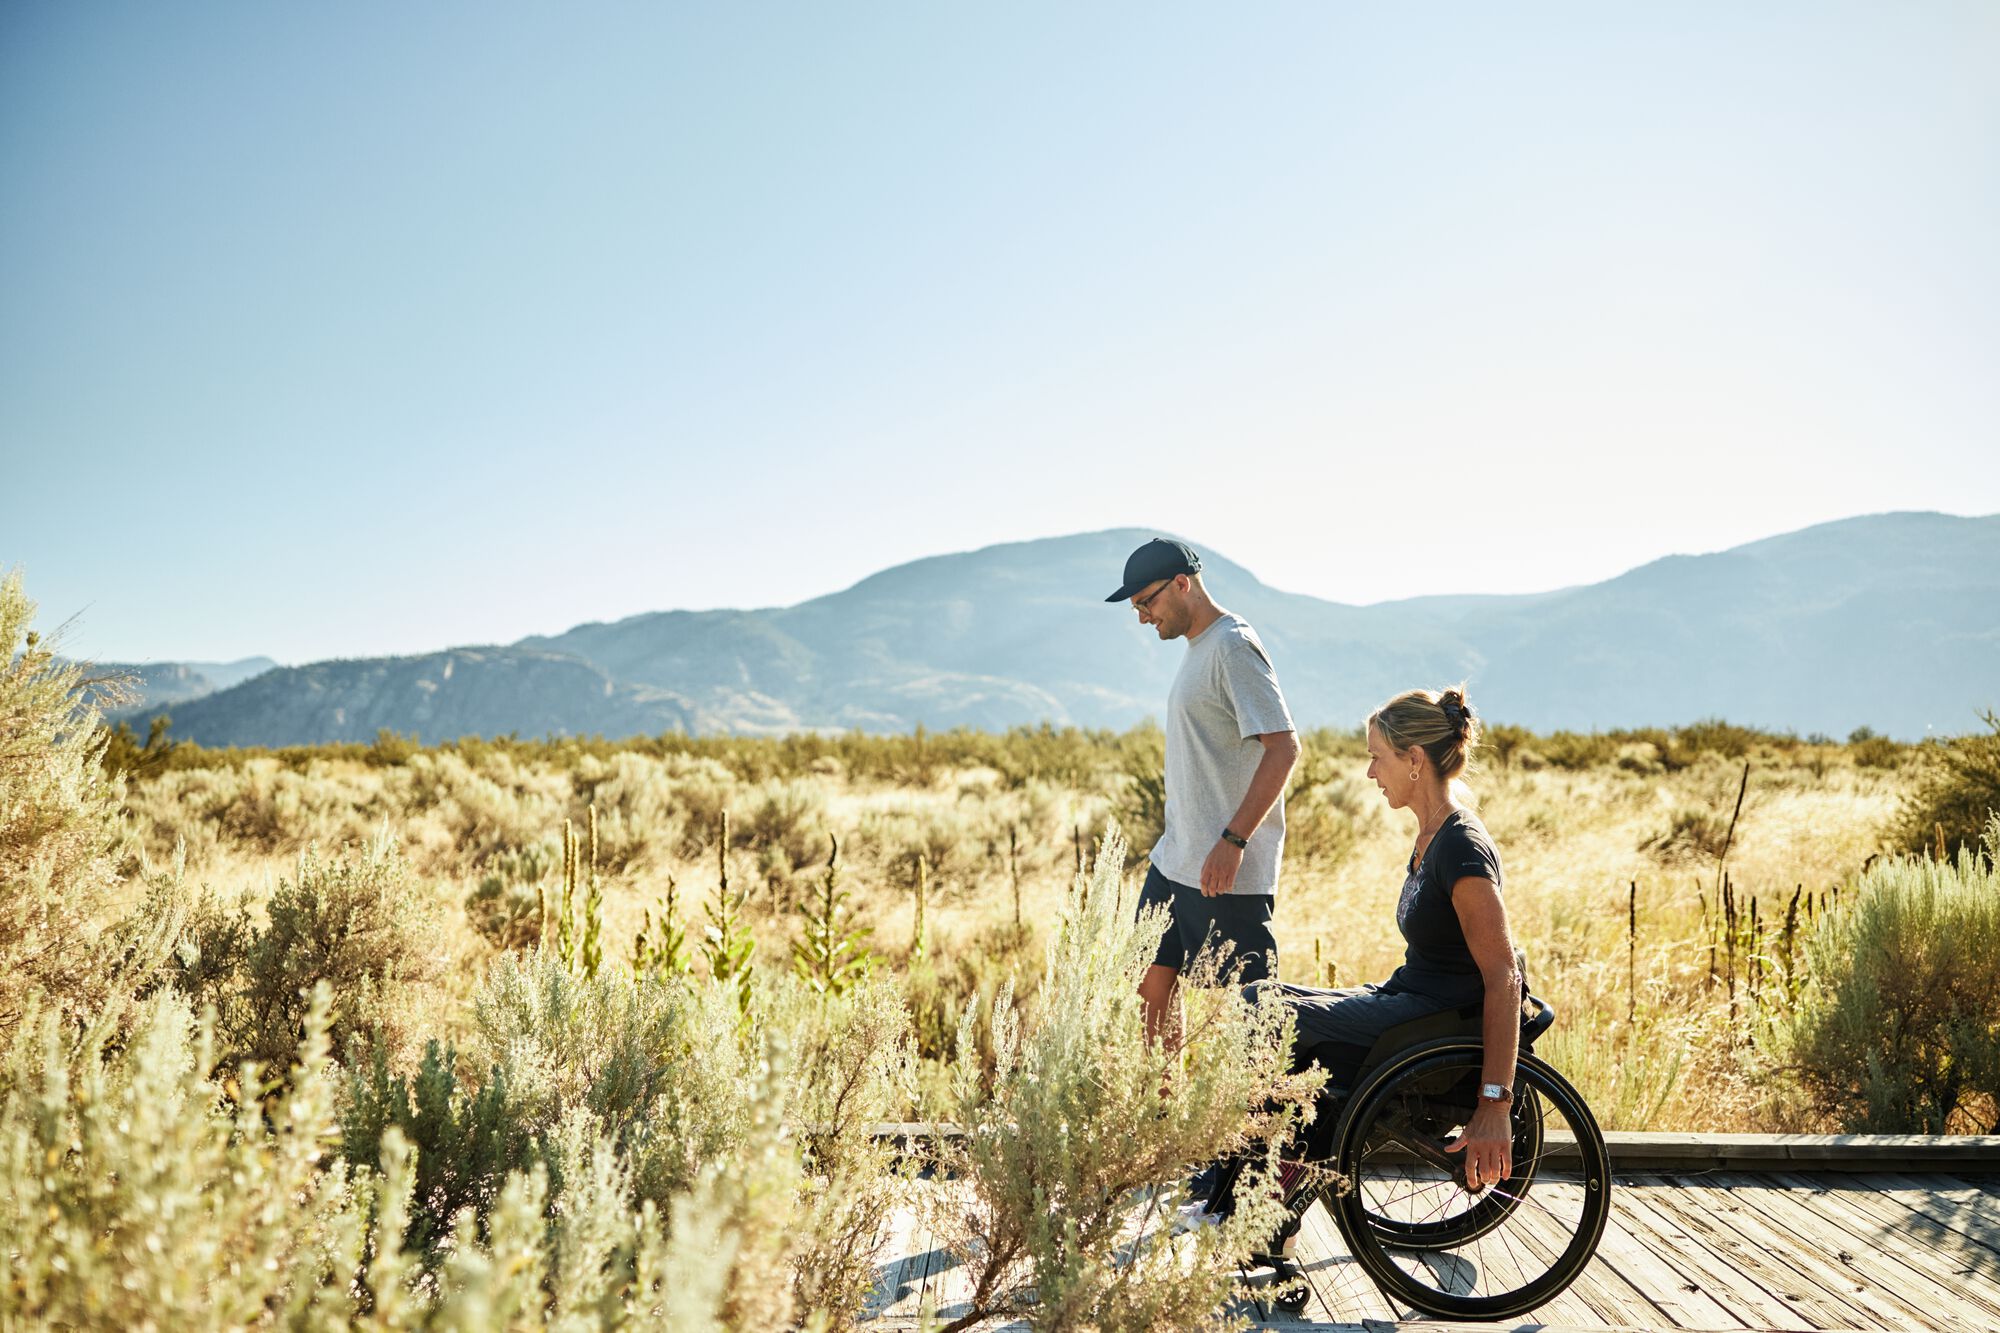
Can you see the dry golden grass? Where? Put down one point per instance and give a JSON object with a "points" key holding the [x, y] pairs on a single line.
{"points": [[1646, 1030]]}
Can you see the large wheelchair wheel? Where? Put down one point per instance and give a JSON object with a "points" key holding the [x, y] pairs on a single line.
{"points": [[1414, 1227]]}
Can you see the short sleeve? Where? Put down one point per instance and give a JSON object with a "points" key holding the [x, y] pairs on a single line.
{"points": [[1466, 852], [1252, 688]]}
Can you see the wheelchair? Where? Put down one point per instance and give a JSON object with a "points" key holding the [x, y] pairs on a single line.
{"points": [[1375, 1158]]}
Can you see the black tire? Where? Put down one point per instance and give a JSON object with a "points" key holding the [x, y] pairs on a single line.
{"points": [[1410, 1222]]}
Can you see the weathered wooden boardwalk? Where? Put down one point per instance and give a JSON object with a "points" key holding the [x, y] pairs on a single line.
{"points": [[1714, 1233]]}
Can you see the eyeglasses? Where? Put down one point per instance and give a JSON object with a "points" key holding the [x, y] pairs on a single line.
{"points": [[1142, 603]]}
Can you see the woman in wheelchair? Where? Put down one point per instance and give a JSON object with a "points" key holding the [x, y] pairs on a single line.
{"points": [[1467, 1177], [1459, 952]]}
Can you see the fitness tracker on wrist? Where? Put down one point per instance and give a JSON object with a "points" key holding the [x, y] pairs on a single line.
{"points": [[1234, 839]]}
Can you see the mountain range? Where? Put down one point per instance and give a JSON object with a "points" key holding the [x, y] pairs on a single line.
{"points": [[1889, 620]]}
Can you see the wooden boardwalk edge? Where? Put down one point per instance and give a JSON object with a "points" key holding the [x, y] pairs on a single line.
{"points": [[1961, 1154]]}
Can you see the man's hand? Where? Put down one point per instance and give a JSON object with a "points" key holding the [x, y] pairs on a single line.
{"points": [[1218, 872]]}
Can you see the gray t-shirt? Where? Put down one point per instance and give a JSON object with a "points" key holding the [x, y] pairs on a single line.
{"points": [[1225, 696]]}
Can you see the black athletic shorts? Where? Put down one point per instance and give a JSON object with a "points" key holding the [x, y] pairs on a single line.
{"points": [[1239, 921]]}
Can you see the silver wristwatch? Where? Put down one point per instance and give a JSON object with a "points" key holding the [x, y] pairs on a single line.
{"points": [[1496, 1092]]}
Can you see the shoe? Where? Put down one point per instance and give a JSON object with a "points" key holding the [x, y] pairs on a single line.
{"points": [[1278, 1255], [1192, 1217]]}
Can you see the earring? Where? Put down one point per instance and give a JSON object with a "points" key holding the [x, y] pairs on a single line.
{"points": [[1413, 775]]}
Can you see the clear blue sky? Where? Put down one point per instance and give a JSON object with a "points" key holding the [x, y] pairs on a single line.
{"points": [[358, 328]]}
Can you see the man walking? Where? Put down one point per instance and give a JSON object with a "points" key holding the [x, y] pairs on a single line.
{"points": [[1230, 750]]}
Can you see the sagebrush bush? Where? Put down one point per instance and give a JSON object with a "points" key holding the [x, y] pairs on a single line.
{"points": [[941, 984], [139, 1188], [1082, 1128], [147, 1186], [1693, 833], [464, 1138], [1899, 1028], [57, 809], [509, 903], [356, 922], [1957, 791], [1871, 750], [659, 1062], [1324, 812], [852, 1064], [1141, 796]]}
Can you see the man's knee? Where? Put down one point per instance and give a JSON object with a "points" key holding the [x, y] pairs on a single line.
{"points": [[1157, 986]]}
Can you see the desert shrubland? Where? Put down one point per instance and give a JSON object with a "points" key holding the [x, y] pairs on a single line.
{"points": [[1662, 918], [596, 1033]]}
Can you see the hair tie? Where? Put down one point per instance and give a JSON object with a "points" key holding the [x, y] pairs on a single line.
{"points": [[1454, 713]]}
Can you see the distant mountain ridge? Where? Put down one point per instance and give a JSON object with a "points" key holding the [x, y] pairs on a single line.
{"points": [[155, 685], [1889, 620]]}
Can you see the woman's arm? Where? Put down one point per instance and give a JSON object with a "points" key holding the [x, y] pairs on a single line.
{"points": [[1488, 1140]]}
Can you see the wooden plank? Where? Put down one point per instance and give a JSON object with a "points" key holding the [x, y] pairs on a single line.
{"points": [[1714, 1271], [1962, 1207], [1544, 1224], [1902, 1216], [1823, 1152], [1809, 1251], [1863, 1243], [895, 1267], [1783, 1265], [1677, 1295]]}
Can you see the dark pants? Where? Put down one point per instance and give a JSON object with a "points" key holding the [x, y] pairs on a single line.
{"points": [[1351, 1016], [1238, 922]]}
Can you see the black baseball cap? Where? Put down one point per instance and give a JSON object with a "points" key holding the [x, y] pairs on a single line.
{"points": [[1160, 558]]}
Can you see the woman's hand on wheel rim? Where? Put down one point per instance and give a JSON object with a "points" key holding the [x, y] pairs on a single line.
{"points": [[1488, 1144]]}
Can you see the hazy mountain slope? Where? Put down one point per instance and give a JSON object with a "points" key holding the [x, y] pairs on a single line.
{"points": [[158, 685], [1891, 621], [439, 696], [1013, 633]]}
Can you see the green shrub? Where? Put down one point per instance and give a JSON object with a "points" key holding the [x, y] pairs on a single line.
{"points": [[1957, 791], [851, 1068], [1871, 750], [1714, 736], [464, 1139], [1899, 1028], [1141, 807], [659, 1064], [1323, 813], [1080, 1123], [145, 1186], [944, 981], [356, 922], [508, 904], [786, 826]]}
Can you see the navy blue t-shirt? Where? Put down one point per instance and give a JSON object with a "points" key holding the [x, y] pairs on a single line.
{"points": [[1437, 961]]}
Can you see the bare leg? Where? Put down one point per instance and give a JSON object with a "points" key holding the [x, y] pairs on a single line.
{"points": [[1160, 988]]}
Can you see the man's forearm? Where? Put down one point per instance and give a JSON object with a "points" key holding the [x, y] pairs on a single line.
{"points": [[1267, 784]]}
